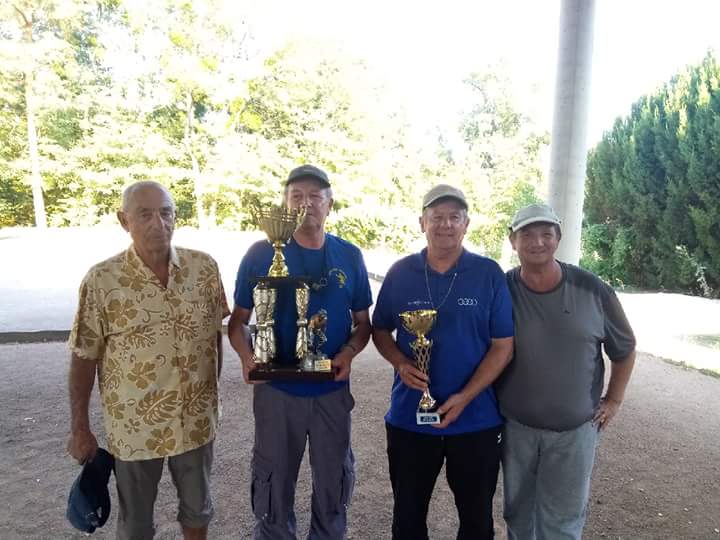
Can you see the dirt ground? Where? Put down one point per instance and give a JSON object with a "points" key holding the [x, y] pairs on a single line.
{"points": [[657, 474]]}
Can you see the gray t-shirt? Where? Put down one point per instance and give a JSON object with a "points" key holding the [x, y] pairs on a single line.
{"points": [[556, 376]]}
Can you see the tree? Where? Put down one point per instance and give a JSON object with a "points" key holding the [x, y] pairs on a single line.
{"points": [[500, 166], [49, 51], [197, 63], [314, 103], [654, 188]]}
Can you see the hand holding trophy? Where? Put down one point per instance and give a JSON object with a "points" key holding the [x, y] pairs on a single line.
{"points": [[419, 322]]}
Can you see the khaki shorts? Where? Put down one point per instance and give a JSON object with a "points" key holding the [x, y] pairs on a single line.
{"points": [[137, 486]]}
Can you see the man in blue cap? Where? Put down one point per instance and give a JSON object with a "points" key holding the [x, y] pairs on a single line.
{"points": [[289, 415]]}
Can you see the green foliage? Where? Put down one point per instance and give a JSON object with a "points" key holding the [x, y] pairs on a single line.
{"points": [[15, 201], [112, 110], [595, 247], [500, 171], [495, 214], [395, 229], [654, 186]]}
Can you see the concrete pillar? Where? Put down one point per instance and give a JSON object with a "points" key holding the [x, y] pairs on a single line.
{"points": [[568, 147]]}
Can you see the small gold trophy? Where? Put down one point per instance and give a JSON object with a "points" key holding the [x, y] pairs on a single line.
{"points": [[278, 222], [317, 360], [418, 323]]}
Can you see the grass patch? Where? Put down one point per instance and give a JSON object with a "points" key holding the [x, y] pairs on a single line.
{"points": [[705, 340], [711, 372]]}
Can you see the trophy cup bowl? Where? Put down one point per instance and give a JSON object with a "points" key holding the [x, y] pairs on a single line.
{"points": [[279, 223], [419, 322]]}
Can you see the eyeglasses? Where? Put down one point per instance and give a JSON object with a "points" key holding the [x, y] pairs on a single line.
{"points": [[453, 220], [315, 198], [146, 214]]}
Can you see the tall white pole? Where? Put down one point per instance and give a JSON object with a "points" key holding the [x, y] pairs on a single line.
{"points": [[568, 154]]}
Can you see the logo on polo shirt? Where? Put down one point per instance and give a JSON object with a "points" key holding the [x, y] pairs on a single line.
{"points": [[339, 275], [467, 301]]}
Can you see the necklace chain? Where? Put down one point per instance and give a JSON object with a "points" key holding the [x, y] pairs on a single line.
{"points": [[316, 285], [427, 285]]}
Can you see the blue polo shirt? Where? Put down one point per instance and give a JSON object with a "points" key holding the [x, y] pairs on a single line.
{"points": [[338, 271], [476, 309]]}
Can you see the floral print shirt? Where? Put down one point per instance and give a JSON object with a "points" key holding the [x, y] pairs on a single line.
{"points": [[156, 349]]}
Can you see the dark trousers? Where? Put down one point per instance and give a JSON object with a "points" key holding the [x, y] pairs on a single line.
{"points": [[471, 461]]}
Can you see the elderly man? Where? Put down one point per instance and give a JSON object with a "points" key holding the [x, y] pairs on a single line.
{"points": [[551, 393], [288, 415], [472, 344], [149, 322]]}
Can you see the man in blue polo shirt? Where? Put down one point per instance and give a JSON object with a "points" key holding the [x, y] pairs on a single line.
{"points": [[289, 414], [472, 344]]}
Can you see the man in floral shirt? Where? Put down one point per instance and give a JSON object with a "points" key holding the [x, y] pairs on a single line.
{"points": [[149, 322]]}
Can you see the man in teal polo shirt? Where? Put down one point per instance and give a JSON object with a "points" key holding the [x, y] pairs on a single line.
{"points": [[472, 344]]}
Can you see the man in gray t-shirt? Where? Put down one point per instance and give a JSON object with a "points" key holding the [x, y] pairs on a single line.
{"points": [[551, 392]]}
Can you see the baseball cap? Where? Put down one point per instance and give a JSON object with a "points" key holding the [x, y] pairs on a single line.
{"points": [[308, 171], [443, 191], [534, 213], [89, 501]]}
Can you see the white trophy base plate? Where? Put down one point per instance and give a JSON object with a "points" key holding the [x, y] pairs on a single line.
{"points": [[425, 418]]}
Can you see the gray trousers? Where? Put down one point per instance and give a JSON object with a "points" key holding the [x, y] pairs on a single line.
{"points": [[546, 478], [137, 486], [283, 425]]}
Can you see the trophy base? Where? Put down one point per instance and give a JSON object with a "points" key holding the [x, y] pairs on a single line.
{"points": [[428, 417], [275, 372]]}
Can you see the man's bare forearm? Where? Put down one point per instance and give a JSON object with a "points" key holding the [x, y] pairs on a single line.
{"points": [[219, 354], [80, 384], [239, 335], [493, 364], [620, 372], [359, 336], [387, 347]]}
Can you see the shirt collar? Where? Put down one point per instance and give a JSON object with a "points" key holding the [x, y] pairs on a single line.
{"points": [[421, 257], [174, 259], [135, 261]]}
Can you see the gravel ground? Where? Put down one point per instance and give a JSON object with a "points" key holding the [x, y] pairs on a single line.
{"points": [[656, 476]]}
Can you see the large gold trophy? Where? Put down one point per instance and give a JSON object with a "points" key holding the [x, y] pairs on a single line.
{"points": [[279, 223], [418, 323]]}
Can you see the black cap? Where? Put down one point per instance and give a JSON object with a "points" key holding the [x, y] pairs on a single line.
{"points": [[89, 501], [308, 171]]}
